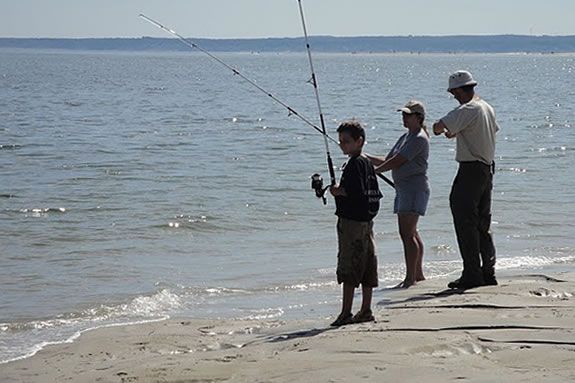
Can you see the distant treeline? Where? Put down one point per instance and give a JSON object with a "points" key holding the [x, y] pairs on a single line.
{"points": [[375, 44]]}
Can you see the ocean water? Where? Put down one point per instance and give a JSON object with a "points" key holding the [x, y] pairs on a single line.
{"points": [[139, 186]]}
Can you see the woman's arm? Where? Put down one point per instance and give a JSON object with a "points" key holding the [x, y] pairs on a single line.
{"points": [[392, 163], [375, 160]]}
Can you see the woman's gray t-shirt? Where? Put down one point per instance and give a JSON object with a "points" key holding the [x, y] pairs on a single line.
{"points": [[415, 148]]}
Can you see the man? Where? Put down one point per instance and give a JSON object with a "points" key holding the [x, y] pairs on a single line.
{"points": [[473, 125]]}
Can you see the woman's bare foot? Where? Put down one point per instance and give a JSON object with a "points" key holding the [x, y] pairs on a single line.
{"points": [[404, 284]]}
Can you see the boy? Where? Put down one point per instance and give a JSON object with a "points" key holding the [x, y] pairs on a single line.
{"points": [[357, 203]]}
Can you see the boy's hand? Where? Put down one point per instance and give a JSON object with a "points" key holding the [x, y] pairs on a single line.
{"points": [[337, 191], [333, 190]]}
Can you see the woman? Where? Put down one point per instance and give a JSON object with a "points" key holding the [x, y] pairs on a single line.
{"points": [[408, 162]]}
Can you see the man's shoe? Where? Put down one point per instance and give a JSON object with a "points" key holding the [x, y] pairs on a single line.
{"points": [[463, 284], [490, 281], [342, 320], [454, 284]]}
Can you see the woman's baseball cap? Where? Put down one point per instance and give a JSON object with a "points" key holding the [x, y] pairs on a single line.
{"points": [[413, 106], [459, 79]]}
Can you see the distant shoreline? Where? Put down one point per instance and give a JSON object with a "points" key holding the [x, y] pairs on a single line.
{"points": [[371, 44]]}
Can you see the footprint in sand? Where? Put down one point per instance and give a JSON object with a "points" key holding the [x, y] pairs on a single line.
{"points": [[550, 293]]}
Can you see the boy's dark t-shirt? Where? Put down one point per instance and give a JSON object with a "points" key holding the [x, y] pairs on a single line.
{"points": [[363, 195]]}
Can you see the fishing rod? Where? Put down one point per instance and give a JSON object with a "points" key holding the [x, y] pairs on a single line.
{"points": [[316, 183], [290, 110]]}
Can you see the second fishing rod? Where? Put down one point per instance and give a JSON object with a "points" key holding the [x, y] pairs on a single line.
{"points": [[317, 182]]}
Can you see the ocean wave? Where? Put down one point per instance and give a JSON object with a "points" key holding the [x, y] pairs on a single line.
{"points": [[158, 304], [39, 212], [201, 293], [15, 354], [10, 146], [303, 286], [42, 211], [512, 170], [443, 249], [201, 223], [23, 339], [552, 149], [243, 120], [211, 224], [220, 291], [261, 314], [531, 262]]}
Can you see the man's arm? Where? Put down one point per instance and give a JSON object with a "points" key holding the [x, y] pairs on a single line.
{"points": [[439, 127]]}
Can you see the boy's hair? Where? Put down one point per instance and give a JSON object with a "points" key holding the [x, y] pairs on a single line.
{"points": [[353, 128]]}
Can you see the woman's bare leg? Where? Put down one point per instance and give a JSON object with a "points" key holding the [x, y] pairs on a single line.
{"points": [[419, 264], [412, 248]]}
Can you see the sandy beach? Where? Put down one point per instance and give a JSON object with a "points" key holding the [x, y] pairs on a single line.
{"points": [[520, 331]]}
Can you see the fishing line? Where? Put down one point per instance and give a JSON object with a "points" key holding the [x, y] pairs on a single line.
{"points": [[193, 45], [290, 110]]}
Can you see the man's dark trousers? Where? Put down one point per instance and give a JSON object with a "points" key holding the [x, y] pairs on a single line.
{"points": [[470, 202]]}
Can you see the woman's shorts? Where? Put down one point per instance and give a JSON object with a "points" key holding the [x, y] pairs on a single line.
{"points": [[411, 200], [356, 260]]}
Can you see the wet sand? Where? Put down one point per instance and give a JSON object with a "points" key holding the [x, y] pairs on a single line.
{"points": [[520, 331]]}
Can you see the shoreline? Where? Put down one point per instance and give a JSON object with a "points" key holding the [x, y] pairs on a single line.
{"points": [[134, 52], [72, 338], [521, 330], [406, 43]]}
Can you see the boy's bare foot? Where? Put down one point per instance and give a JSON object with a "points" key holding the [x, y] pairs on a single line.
{"points": [[363, 316], [342, 319]]}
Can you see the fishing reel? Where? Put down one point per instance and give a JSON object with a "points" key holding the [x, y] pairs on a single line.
{"points": [[317, 185]]}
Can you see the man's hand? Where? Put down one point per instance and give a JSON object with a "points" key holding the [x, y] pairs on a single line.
{"points": [[448, 134], [439, 127]]}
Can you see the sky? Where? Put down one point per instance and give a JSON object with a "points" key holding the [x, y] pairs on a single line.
{"points": [[280, 18]]}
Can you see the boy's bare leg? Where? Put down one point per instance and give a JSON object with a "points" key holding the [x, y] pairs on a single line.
{"points": [[347, 301], [366, 294], [345, 317]]}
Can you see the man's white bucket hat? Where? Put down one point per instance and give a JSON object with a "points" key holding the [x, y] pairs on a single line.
{"points": [[459, 79]]}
